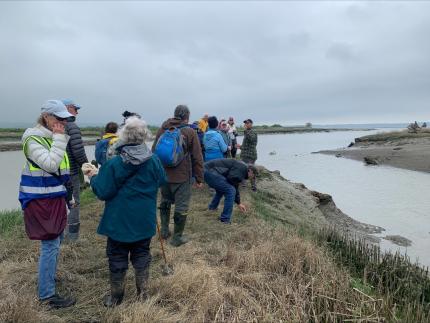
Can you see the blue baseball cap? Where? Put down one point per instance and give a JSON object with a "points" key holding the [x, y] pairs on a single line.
{"points": [[70, 102], [56, 107]]}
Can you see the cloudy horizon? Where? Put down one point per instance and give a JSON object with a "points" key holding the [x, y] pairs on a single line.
{"points": [[275, 62]]}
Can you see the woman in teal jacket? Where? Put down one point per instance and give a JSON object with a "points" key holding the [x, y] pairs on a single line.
{"points": [[128, 183]]}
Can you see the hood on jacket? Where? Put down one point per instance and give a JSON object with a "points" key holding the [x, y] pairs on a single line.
{"points": [[173, 122], [135, 154]]}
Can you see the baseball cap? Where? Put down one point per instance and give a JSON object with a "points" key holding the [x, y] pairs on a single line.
{"points": [[56, 107], [70, 102], [248, 121]]}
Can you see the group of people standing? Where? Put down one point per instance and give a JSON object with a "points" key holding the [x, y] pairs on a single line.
{"points": [[219, 140], [128, 181]]}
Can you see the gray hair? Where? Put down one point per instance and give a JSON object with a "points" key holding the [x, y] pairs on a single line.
{"points": [[182, 112], [41, 120], [134, 131]]}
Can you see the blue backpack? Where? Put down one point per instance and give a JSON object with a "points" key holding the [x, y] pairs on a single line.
{"points": [[170, 147], [101, 150]]}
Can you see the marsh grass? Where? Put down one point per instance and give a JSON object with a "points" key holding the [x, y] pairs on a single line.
{"points": [[250, 271], [9, 221]]}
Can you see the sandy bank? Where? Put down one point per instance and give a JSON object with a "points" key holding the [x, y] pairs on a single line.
{"points": [[398, 149]]}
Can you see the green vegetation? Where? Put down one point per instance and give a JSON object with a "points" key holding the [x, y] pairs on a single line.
{"points": [[393, 136], [9, 220], [403, 284], [87, 197], [401, 288]]}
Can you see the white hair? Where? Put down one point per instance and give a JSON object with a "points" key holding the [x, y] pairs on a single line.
{"points": [[134, 131]]}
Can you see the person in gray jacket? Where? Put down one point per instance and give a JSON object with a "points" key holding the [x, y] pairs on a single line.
{"points": [[77, 157]]}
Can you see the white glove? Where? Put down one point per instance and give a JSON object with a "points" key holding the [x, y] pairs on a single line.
{"points": [[89, 169]]}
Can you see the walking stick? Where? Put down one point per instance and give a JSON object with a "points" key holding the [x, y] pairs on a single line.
{"points": [[166, 269]]}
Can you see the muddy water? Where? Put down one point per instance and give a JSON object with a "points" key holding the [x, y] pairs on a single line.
{"points": [[395, 199]]}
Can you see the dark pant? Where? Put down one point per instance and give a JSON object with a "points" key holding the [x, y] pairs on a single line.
{"points": [[222, 188], [252, 162], [233, 148], [178, 194], [117, 253]]}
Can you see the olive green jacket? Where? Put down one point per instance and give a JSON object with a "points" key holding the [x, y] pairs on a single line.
{"points": [[249, 146]]}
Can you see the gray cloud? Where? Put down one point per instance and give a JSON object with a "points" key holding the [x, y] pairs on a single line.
{"points": [[292, 62]]}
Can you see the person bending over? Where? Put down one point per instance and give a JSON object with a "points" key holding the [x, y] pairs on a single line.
{"points": [[225, 175]]}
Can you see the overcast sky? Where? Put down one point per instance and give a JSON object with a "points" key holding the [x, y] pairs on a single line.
{"points": [[275, 62]]}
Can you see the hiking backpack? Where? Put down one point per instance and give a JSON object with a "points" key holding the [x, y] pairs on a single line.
{"points": [[101, 150], [170, 147]]}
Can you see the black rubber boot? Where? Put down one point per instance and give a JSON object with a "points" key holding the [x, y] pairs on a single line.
{"points": [[57, 301], [178, 237], [141, 276], [116, 289], [165, 220]]}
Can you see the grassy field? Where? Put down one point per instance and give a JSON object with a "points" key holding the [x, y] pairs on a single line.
{"points": [[268, 266]]}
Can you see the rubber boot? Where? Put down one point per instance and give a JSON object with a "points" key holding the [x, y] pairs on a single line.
{"points": [[178, 237], [141, 276], [165, 220], [116, 289]]}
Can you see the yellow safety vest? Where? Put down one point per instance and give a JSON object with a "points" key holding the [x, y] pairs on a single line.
{"points": [[37, 183]]}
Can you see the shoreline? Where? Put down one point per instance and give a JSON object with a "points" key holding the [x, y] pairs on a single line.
{"points": [[10, 142], [293, 203], [399, 149]]}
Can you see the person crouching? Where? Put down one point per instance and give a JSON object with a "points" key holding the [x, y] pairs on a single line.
{"points": [[128, 183], [225, 175]]}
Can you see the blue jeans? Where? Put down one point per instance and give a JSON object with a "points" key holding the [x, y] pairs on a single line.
{"points": [[49, 251], [222, 188]]}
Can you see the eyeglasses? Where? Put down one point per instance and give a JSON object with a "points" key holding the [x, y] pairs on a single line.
{"points": [[69, 119], [59, 119]]}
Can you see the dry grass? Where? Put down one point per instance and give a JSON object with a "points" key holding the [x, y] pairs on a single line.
{"points": [[246, 272]]}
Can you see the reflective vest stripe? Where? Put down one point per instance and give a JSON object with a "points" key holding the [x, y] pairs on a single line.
{"points": [[41, 173], [41, 190], [37, 183], [42, 181]]}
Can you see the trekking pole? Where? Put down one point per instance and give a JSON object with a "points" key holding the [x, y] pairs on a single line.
{"points": [[166, 269]]}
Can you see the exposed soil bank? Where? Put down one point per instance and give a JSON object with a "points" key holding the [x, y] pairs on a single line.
{"points": [[293, 203], [398, 149]]}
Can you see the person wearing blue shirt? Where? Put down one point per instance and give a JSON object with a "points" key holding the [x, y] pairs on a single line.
{"points": [[215, 146]]}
